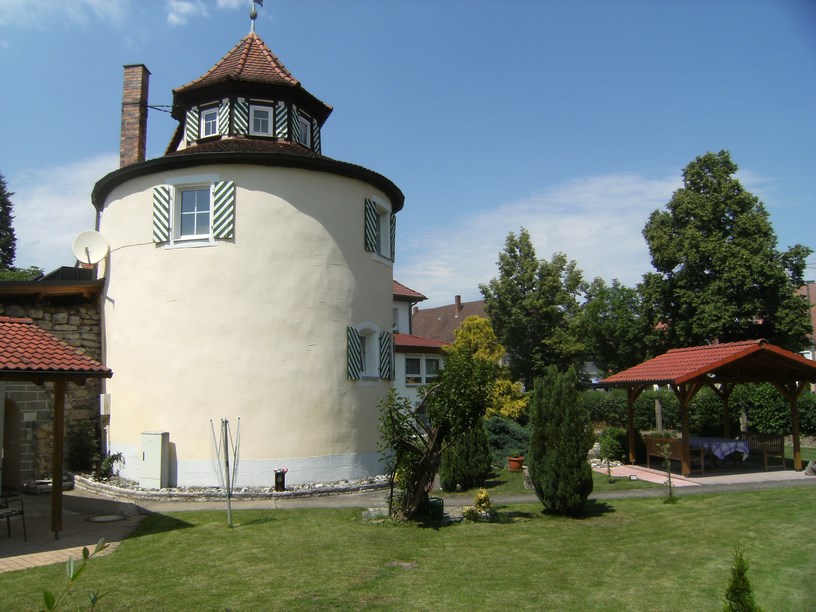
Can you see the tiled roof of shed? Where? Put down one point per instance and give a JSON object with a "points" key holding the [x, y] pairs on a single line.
{"points": [[401, 292], [746, 361], [26, 348]]}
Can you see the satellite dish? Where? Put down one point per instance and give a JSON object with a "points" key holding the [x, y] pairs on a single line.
{"points": [[90, 247]]}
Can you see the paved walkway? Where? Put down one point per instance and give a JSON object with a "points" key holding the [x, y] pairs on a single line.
{"points": [[87, 516]]}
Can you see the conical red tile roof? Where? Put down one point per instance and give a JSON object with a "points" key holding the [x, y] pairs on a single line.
{"points": [[250, 60]]}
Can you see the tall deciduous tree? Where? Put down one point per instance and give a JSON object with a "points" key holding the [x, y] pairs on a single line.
{"points": [[8, 242], [719, 275], [534, 308], [616, 331]]}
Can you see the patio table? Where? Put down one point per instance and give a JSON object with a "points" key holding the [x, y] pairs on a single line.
{"points": [[721, 447]]}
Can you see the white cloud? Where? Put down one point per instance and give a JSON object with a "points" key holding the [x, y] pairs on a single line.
{"points": [[596, 221], [53, 205], [232, 4], [179, 12]]}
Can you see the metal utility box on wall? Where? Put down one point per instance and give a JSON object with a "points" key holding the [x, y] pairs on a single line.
{"points": [[154, 470]]}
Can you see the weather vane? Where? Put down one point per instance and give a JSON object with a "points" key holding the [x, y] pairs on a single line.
{"points": [[253, 14]]}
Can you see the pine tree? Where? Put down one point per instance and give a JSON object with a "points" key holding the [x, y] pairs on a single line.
{"points": [[738, 595], [466, 462], [561, 438], [8, 242]]}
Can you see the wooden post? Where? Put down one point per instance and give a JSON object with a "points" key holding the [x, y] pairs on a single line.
{"points": [[685, 393], [791, 392], [630, 421], [659, 414], [56, 461]]}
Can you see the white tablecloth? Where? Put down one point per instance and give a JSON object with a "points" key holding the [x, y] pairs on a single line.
{"points": [[721, 447]]}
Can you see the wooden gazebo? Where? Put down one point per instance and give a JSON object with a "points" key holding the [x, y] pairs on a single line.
{"points": [[31, 354], [721, 367]]}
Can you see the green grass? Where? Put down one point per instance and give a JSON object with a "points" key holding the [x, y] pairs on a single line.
{"points": [[808, 454], [505, 482], [635, 554]]}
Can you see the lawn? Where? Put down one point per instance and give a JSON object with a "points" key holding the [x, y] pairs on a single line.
{"points": [[634, 554]]}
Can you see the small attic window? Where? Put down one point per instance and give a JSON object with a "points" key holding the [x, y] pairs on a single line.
{"points": [[304, 133], [209, 122]]}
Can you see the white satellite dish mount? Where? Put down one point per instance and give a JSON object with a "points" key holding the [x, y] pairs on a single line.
{"points": [[90, 247]]}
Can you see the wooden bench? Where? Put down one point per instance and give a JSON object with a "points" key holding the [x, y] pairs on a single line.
{"points": [[12, 505], [767, 444], [654, 448]]}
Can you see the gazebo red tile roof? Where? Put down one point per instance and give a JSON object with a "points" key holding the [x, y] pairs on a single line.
{"points": [[28, 350], [746, 361]]}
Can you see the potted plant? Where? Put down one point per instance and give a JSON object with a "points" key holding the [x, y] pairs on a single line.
{"points": [[515, 461]]}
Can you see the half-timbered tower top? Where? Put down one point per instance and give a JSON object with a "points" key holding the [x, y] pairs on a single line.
{"points": [[249, 95]]}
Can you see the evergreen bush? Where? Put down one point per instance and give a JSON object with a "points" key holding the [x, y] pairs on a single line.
{"points": [[506, 437], [560, 439], [466, 462], [739, 596]]}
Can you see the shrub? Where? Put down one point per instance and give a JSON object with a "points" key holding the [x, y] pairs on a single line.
{"points": [[505, 437], [466, 462], [738, 595], [82, 448], [561, 437]]}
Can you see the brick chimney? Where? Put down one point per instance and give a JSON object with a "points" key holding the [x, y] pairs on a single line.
{"points": [[133, 139], [458, 301]]}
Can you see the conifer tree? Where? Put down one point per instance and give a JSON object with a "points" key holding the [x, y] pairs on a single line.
{"points": [[466, 462], [8, 242], [739, 596], [560, 440]]}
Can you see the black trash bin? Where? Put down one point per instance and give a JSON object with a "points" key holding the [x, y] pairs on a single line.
{"points": [[280, 480]]}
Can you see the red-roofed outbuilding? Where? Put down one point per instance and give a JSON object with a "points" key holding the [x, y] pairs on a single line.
{"points": [[29, 353], [721, 367]]}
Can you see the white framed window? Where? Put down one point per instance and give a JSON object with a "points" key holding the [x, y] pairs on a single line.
{"points": [[369, 352], [194, 210], [304, 135], [260, 120], [421, 369], [192, 207], [209, 122], [379, 229]]}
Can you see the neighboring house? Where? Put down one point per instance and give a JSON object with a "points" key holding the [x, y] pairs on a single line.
{"points": [[808, 290], [440, 323], [418, 360], [249, 277]]}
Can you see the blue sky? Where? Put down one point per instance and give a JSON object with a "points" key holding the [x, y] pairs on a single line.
{"points": [[573, 119]]}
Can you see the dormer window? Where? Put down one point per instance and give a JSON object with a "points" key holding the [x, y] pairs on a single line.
{"points": [[209, 122], [304, 132], [260, 120]]}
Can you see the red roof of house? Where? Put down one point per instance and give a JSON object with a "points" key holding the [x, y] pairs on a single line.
{"points": [[401, 292], [747, 361], [406, 343], [440, 323], [26, 349]]}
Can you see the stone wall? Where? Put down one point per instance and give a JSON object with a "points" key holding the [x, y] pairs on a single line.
{"points": [[76, 321]]}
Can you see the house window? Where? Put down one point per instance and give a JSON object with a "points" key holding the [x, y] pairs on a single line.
{"points": [[209, 122], [193, 207], [395, 322], [369, 352], [378, 229], [260, 120], [421, 370], [304, 135]]}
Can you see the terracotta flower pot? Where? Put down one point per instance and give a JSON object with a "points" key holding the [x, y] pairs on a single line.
{"points": [[514, 464]]}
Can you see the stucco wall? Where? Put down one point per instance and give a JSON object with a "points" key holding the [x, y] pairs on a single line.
{"points": [[251, 328]]}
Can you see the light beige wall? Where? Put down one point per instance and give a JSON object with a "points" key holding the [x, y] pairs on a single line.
{"points": [[253, 328]]}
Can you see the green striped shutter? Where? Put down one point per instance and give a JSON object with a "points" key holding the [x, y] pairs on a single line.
{"points": [[223, 118], [393, 236], [192, 127], [354, 354], [161, 213], [315, 136], [370, 226], [223, 216], [295, 125], [281, 120], [240, 117], [386, 356]]}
